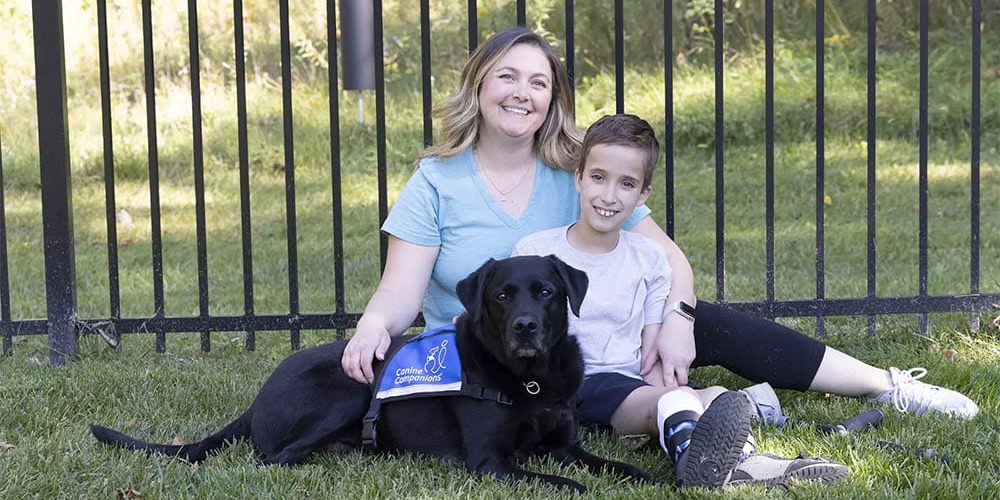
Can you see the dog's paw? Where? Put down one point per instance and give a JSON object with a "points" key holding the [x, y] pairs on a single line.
{"points": [[640, 475], [563, 482]]}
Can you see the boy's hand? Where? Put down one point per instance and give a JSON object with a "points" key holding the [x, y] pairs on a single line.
{"points": [[674, 349]]}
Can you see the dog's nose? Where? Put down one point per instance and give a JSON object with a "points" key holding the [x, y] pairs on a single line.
{"points": [[525, 324]]}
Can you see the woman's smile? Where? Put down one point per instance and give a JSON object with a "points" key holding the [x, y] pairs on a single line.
{"points": [[515, 95]]}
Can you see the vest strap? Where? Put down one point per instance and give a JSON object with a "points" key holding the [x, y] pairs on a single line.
{"points": [[432, 363], [369, 429], [485, 393]]}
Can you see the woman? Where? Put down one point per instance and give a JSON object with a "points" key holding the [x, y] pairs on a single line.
{"points": [[502, 169]]}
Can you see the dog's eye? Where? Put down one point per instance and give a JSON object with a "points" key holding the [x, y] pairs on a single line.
{"points": [[545, 293], [501, 296]]}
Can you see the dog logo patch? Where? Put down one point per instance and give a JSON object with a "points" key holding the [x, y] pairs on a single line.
{"points": [[429, 363]]}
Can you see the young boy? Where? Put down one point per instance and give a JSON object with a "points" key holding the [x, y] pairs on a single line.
{"points": [[705, 432]]}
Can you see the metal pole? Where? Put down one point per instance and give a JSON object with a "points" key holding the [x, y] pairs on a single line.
{"points": [[57, 196]]}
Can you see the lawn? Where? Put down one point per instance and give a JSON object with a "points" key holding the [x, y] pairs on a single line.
{"points": [[46, 450], [188, 394]]}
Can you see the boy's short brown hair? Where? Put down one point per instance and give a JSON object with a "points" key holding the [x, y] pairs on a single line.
{"points": [[623, 130]]}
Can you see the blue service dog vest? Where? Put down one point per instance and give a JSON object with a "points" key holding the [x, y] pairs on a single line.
{"points": [[427, 365]]}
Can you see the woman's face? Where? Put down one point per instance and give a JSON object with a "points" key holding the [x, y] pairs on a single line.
{"points": [[515, 95]]}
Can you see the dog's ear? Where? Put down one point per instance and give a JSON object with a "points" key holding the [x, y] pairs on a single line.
{"points": [[470, 289], [575, 281]]}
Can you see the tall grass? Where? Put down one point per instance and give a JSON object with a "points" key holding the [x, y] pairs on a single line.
{"points": [[694, 128]]}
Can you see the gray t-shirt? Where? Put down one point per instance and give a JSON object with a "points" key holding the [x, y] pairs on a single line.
{"points": [[628, 290]]}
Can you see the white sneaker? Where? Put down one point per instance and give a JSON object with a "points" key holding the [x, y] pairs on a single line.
{"points": [[910, 395]]}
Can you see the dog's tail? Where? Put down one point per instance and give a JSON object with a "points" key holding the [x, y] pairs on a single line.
{"points": [[194, 452]]}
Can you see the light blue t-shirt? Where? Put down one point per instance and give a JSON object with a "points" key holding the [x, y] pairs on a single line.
{"points": [[447, 204]]}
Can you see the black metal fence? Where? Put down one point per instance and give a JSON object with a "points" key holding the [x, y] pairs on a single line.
{"points": [[63, 325]]}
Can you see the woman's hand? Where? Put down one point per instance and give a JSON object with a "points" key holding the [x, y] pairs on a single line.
{"points": [[672, 352], [363, 347], [392, 307]]}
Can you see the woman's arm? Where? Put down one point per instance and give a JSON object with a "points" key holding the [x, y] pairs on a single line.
{"points": [[675, 348], [392, 308]]}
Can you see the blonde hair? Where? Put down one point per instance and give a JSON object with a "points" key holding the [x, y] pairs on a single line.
{"points": [[557, 141]]}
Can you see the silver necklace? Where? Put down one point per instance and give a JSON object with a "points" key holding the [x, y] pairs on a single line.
{"points": [[504, 198]]}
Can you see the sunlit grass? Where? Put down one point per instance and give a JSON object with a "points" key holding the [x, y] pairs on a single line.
{"points": [[795, 177], [189, 393]]}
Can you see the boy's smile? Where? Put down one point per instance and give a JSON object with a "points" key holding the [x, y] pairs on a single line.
{"points": [[610, 188]]}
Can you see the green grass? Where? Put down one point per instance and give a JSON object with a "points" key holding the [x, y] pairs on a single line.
{"points": [[45, 409], [189, 394]]}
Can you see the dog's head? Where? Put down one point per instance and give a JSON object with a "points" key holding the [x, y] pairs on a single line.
{"points": [[519, 305]]}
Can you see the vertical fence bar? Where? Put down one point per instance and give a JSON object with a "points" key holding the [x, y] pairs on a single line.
{"points": [[720, 185], [338, 217], [291, 229], [570, 47], [668, 111], [872, 82], [245, 223], [769, 148], [820, 160], [473, 26], [154, 170], [922, 270], [383, 197], [977, 11], [57, 193], [110, 207], [197, 147], [521, 13], [619, 58], [425, 68], [5, 319]]}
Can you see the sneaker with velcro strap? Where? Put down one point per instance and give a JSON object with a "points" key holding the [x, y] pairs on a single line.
{"points": [[771, 470], [716, 443]]}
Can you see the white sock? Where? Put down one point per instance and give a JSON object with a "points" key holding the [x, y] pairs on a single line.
{"points": [[750, 447], [671, 403]]}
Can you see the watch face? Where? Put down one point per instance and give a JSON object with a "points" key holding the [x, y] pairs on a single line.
{"points": [[686, 309]]}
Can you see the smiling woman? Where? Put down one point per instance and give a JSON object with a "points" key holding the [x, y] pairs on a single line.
{"points": [[514, 98], [501, 169]]}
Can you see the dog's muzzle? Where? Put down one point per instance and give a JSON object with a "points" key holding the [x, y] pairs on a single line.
{"points": [[525, 337]]}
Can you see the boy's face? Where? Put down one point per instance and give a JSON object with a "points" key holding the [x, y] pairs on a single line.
{"points": [[610, 187]]}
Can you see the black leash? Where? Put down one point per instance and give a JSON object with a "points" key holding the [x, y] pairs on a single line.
{"points": [[860, 422]]}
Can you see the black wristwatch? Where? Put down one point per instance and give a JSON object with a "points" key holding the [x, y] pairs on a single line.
{"points": [[680, 307]]}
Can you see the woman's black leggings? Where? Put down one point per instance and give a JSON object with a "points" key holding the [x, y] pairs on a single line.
{"points": [[754, 348]]}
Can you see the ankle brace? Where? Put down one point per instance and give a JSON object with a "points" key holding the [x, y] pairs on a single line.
{"points": [[677, 412]]}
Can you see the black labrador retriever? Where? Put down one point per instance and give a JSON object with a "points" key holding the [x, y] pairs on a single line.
{"points": [[512, 338]]}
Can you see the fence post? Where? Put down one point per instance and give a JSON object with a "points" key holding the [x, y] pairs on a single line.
{"points": [[57, 197]]}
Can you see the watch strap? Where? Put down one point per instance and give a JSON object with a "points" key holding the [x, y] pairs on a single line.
{"points": [[682, 308]]}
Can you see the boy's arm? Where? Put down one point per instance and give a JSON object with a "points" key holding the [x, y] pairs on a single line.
{"points": [[654, 376], [675, 342]]}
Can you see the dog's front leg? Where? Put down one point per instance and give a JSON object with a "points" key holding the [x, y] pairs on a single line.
{"points": [[503, 469], [575, 453], [488, 444]]}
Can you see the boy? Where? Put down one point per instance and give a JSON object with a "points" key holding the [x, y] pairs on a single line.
{"points": [[705, 432]]}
